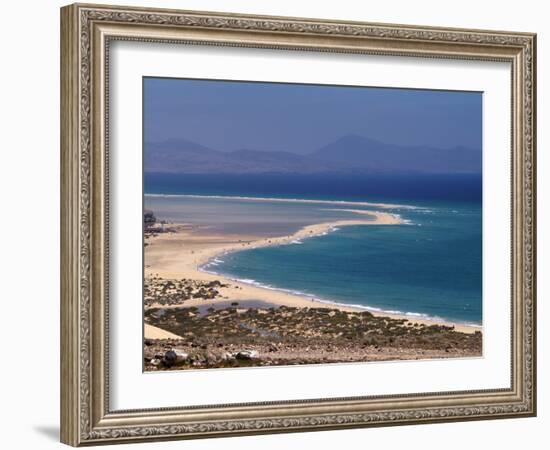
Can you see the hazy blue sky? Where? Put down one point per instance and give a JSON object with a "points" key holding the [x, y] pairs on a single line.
{"points": [[301, 118]]}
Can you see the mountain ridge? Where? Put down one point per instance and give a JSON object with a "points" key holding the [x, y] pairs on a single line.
{"points": [[347, 154]]}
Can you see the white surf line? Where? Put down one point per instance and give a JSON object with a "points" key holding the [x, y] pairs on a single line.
{"points": [[367, 212], [288, 200], [380, 311]]}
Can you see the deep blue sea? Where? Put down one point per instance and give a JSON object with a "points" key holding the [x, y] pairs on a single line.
{"points": [[430, 266]]}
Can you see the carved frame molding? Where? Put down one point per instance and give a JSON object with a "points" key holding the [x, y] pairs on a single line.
{"points": [[86, 32]]}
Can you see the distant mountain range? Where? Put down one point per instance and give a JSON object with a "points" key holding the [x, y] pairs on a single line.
{"points": [[349, 154]]}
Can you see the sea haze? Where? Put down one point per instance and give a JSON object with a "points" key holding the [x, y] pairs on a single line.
{"points": [[350, 154], [350, 167]]}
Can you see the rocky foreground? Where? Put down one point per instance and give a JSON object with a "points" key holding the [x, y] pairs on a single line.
{"points": [[239, 337], [159, 291]]}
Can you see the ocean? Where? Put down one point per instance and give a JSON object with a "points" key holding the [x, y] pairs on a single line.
{"points": [[430, 266]]}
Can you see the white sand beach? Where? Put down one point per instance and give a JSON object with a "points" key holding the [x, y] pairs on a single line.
{"points": [[181, 254]]}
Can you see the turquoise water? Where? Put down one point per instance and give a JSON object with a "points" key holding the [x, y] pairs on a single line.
{"points": [[431, 266]]}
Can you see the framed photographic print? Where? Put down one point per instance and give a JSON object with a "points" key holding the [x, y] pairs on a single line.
{"points": [[275, 224]]}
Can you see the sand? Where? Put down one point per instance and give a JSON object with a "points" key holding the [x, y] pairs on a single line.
{"points": [[151, 332], [180, 254]]}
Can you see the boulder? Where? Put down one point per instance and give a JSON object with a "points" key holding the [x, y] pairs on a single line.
{"points": [[247, 354], [172, 357]]}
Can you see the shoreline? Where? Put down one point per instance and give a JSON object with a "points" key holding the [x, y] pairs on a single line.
{"points": [[288, 200], [185, 252]]}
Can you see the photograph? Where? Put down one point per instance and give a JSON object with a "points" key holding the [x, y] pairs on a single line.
{"points": [[290, 224]]}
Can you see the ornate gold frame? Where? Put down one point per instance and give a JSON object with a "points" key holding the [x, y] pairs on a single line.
{"points": [[86, 31]]}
